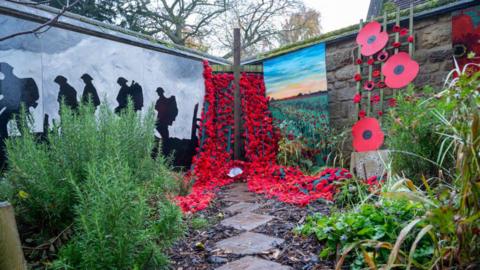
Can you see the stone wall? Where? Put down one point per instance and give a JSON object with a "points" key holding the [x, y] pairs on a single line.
{"points": [[433, 51]]}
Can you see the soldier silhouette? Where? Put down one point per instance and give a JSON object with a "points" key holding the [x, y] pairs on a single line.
{"points": [[123, 94], [89, 92], [134, 92], [15, 92], [167, 111], [67, 93]]}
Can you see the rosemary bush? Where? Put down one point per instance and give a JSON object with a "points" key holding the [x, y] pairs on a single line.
{"points": [[94, 172]]}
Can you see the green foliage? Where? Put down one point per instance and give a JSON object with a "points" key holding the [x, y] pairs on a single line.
{"points": [[380, 222], [351, 192], [95, 171], [419, 226], [389, 7], [198, 223], [413, 136]]}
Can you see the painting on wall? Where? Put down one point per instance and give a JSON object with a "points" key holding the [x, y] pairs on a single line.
{"points": [[297, 85], [42, 70], [466, 36], [296, 74]]}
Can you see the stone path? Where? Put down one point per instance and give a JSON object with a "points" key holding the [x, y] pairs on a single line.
{"points": [[247, 244]]}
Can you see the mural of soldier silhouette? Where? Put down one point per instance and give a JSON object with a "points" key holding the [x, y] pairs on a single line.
{"points": [[16, 92], [134, 92], [89, 92], [182, 149], [167, 111], [66, 94]]}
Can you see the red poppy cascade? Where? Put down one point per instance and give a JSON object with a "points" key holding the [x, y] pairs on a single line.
{"points": [[371, 38], [367, 135], [400, 70]]}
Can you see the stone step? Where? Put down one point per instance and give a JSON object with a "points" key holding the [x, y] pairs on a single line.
{"points": [[246, 221], [242, 207], [253, 263], [248, 243], [240, 197]]}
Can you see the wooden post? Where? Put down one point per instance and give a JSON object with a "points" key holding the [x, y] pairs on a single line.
{"points": [[359, 71], [237, 117], [11, 254]]}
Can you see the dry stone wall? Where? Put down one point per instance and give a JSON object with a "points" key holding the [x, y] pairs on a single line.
{"points": [[433, 51]]}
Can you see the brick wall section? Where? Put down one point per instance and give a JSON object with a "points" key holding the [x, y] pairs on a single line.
{"points": [[433, 51]]}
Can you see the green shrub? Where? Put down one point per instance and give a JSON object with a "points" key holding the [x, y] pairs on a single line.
{"points": [[413, 136], [95, 171], [113, 222]]}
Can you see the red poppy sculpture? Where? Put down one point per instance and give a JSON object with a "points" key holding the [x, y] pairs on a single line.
{"points": [[400, 70], [367, 135], [371, 38]]}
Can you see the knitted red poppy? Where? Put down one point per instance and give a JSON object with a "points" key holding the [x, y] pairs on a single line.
{"points": [[400, 70], [381, 84], [392, 102], [382, 56], [362, 114], [371, 38], [367, 135], [357, 98], [369, 85]]}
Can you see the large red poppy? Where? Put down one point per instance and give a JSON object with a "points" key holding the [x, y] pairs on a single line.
{"points": [[371, 38], [367, 135], [400, 70]]}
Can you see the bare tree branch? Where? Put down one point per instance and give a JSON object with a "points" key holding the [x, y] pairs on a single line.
{"points": [[41, 26]]}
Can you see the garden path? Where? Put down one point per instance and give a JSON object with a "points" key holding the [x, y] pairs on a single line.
{"points": [[247, 243], [249, 232]]}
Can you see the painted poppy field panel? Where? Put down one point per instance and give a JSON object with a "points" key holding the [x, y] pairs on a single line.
{"points": [[466, 35], [307, 120], [296, 74]]}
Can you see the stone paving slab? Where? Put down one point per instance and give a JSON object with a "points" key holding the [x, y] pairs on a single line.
{"points": [[238, 187], [248, 243], [246, 221], [253, 263], [242, 207], [240, 197]]}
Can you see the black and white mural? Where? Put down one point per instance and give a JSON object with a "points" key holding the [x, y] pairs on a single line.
{"points": [[40, 70]]}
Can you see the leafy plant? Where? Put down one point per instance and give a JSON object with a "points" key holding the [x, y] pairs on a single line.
{"points": [[351, 192], [366, 230], [413, 138], [95, 171], [452, 217]]}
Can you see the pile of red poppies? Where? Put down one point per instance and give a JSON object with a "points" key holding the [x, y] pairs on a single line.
{"points": [[214, 161]]}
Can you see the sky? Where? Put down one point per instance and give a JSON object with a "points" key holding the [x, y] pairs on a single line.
{"points": [[336, 14]]}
